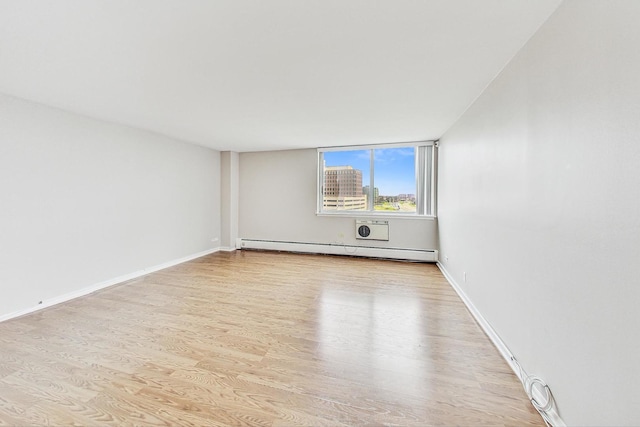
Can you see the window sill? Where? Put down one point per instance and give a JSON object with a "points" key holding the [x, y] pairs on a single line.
{"points": [[376, 215]]}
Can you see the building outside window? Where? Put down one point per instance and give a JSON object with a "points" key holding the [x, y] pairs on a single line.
{"points": [[399, 174]]}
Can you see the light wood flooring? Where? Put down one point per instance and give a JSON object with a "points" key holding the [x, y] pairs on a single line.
{"points": [[264, 339]]}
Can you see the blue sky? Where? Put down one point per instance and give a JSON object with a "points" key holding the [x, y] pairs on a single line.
{"points": [[394, 168]]}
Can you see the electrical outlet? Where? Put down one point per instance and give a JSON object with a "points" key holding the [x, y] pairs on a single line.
{"points": [[446, 258]]}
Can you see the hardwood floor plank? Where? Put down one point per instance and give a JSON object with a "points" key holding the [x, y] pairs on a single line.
{"points": [[260, 339]]}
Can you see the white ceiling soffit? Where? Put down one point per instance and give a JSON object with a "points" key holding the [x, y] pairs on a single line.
{"points": [[251, 75]]}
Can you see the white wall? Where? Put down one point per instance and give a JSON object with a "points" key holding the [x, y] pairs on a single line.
{"points": [[84, 201], [278, 202], [539, 204]]}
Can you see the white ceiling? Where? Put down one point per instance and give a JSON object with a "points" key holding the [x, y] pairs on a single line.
{"points": [[251, 75]]}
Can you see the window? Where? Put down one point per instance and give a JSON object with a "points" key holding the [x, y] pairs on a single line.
{"points": [[385, 179]]}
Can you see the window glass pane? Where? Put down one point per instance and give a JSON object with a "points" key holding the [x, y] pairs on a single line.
{"points": [[385, 180], [394, 173], [345, 175]]}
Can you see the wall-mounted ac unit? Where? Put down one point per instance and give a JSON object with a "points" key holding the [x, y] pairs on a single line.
{"points": [[372, 230]]}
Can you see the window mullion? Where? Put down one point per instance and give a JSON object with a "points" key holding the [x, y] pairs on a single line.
{"points": [[372, 191]]}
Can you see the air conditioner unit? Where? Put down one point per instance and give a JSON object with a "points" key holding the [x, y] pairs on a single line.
{"points": [[372, 230]]}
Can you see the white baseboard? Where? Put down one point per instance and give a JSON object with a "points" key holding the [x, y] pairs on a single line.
{"points": [[554, 418], [339, 249], [105, 284], [226, 249]]}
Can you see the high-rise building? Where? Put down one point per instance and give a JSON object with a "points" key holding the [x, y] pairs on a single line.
{"points": [[343, 188], [342, 181]]}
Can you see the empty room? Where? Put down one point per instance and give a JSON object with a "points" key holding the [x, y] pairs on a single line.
{"points": [[320, 213]]}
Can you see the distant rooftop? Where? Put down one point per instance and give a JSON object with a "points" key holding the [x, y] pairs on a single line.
{"points": [[337, 167]]}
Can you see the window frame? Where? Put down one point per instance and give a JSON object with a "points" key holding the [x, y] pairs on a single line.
{"points": [[425, 168]]}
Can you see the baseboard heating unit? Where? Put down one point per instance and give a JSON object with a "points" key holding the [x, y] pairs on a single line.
{"points": [[339, 249]]}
